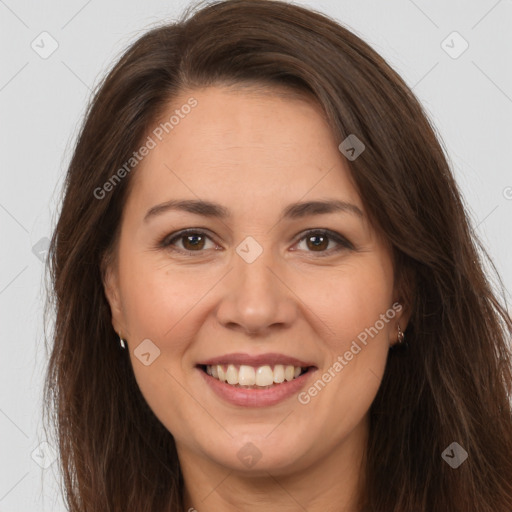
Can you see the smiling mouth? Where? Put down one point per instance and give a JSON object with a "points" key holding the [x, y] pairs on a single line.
{"points": [[254, 377]]}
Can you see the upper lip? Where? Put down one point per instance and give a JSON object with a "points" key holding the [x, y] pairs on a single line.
{"points": [[256, 360]]}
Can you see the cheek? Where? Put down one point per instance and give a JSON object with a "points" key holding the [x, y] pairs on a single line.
{"points": [[159, 306], [158, 303], [343, 391], [355, 304], [351, 299]]}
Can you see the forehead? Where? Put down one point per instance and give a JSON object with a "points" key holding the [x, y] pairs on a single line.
{"points": [[243, 142]]}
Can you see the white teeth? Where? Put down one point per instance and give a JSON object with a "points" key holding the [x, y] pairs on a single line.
{"points": [[278, 373], [232, 375], [288, 373], [264, 376], [245, 375]]}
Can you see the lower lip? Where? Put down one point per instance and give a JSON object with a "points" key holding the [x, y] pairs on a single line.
{"points": [[256, 397]]}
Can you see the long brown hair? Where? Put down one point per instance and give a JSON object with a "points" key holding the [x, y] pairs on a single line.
{"points": [[455, 383]]}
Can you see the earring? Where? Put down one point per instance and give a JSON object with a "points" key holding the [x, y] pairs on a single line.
{"points": [[401, 335], [122, 342], [401, 346]]}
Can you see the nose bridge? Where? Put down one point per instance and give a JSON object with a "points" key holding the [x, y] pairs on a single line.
{"points": [[256, 298], [254, 281]]}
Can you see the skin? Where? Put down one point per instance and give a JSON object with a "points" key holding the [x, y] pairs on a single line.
{"points": [[254, 151]]}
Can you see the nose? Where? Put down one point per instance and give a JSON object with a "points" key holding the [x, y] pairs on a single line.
{"points": [[256, 299]]}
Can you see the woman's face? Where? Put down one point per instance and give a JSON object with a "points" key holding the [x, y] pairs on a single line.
{"points": [[257, 283]]}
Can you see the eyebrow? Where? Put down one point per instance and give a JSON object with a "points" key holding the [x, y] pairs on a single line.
{"points": [[292, 211]]}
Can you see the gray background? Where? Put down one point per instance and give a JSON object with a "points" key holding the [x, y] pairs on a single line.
{"points": [[42, 101]]}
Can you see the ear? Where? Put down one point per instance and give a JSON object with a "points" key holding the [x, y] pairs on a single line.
{"points": [[110, 280]]}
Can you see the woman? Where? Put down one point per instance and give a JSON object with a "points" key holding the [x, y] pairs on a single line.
{"points": [[268, 293]]}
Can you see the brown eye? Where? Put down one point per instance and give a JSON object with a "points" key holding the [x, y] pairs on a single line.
{"points": [[318, 241], [191, 241]]}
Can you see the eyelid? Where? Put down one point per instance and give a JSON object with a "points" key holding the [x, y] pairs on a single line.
{"points": [[343, 242]]}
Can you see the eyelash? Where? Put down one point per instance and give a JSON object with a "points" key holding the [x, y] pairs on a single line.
{"points": [[166, 242]]}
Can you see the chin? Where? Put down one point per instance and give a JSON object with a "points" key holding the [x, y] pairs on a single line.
{"points": [[258, 454]]}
